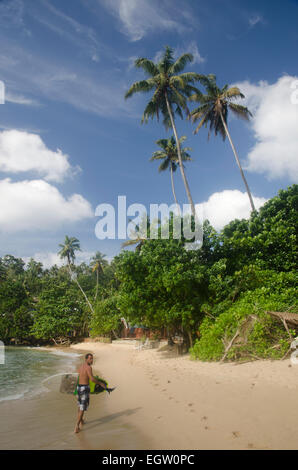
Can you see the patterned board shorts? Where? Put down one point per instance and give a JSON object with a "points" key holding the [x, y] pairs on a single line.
{"points": [[83, 397]]}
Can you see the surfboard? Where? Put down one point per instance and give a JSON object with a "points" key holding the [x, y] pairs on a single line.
{"points": [[95, 389], [69, 382]]}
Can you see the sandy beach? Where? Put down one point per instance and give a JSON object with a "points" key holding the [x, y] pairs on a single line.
{"points": [[164, 402], [176, 403]]}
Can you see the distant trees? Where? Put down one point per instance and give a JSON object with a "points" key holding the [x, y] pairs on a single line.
{"points": [[68, 249], [98, 263]]}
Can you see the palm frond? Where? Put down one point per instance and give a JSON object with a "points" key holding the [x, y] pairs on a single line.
{"points": [[190, 77], [201, 123], [158, 155], [162, 143], [240, 111], [147, 65], [150, 111], [166, 60], [164, 165], [233, 92], [142, 86], [181, 63]]}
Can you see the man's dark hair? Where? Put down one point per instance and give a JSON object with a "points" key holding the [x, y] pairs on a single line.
{"points": [[87, 355]]}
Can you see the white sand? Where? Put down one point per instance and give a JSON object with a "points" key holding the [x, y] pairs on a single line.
{"points": [[176, 403]]}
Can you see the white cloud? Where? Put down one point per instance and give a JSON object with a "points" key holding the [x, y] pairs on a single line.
{"points": [[225, 206], [139, 17], [12, 16], [84, 37], [192, 48], [21, 151], [37, 205], [11, 13], [275, 124], [26, 73], [49, 259], [20, 99], [253, 20]]}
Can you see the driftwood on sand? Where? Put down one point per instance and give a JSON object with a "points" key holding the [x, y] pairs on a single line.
{"points": [[243, 330], [240, 335], [286, 317]]}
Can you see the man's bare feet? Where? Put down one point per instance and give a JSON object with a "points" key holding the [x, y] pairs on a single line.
{"points": [[77, 429]]}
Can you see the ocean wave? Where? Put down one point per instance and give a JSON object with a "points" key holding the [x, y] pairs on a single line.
{"points": [[13, 397], [55, 351]]}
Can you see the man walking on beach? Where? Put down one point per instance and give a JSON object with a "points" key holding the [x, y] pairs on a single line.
{"points": [[85, 374]]}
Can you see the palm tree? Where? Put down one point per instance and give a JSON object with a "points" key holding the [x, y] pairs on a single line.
{"points": [[98, 264], [170, 158], [68, 249], [171, 90], [213, 110]]}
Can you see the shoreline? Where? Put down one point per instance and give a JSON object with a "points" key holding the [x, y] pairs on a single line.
{"points": [[49, 418], [162, 402]]}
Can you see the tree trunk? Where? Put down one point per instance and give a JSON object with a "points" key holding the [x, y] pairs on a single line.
{"points": [[238, 163], [173, 187], [193, 212], [96, 285], [116, 336], [77, 282], [190, 338]]}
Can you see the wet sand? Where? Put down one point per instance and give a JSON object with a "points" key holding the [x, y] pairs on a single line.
{"points": [[47, 421], [164, 402]]}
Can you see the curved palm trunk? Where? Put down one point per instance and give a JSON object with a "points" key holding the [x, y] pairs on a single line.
{"points": [[193, 212], [77, 282], [173, 187], [96, 285], [238, 163]]}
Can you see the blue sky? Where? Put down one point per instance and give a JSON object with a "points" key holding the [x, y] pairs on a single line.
{"points": [[69, 141]]}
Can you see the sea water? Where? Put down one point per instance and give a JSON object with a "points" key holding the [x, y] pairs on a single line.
{"points": [[25, 371]]}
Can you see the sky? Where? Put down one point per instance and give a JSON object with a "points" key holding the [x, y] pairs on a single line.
{"points": [[69, 141]]}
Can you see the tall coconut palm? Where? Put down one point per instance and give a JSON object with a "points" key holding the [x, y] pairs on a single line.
{"points": [[213, 110], [170, 158], [68, 249], [98, 263], [171, 88]]}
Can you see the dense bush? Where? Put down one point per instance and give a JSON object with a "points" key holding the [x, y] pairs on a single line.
{"points": [[260, 334], [106, 318]]}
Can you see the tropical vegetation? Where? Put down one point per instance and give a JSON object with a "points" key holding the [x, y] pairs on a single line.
{"points": [[239, 275], [221, 298]]}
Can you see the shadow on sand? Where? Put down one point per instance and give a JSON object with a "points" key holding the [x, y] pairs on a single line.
{"points": [[107, 419]]}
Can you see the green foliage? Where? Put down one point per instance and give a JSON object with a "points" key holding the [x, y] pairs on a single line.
{"points": [[106, 316], [12, 298], [268, 239], [60, 311], [228, 285], [166, 82], [163, 285], [267, 338]]}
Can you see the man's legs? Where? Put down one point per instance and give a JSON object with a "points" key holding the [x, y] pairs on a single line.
{"points": [[83, 403], [79, 420]]}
